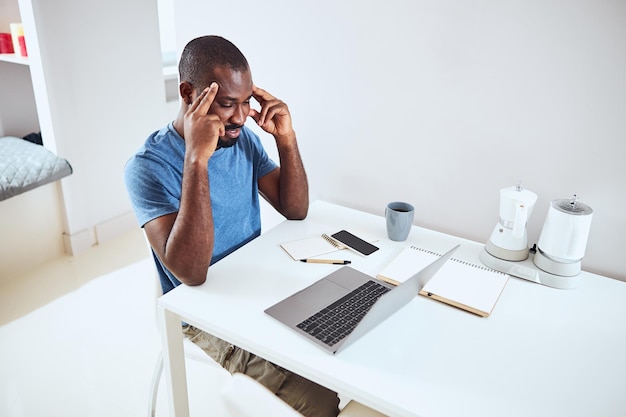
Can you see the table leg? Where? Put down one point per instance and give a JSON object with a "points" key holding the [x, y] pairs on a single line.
{"points": [[174, 362]]}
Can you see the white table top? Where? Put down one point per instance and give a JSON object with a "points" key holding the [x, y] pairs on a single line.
{"points": [[542, 352]]}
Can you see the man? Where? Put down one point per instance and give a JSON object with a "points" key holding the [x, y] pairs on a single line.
{"points": [[195, 187]]}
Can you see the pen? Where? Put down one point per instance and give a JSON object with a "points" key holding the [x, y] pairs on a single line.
{"points": [[325, 261]]}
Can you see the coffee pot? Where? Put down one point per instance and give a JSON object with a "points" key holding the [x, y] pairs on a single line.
{"points": [[563, 239], [555, 260], [509, 239]]}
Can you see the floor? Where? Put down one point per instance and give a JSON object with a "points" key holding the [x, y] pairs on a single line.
{"points": [[78, 336]]}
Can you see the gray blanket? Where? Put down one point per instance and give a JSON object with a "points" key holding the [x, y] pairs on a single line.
{"points": [[25, 165]]}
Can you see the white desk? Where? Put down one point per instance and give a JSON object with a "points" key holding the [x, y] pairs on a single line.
{"points": [[542, 352]]}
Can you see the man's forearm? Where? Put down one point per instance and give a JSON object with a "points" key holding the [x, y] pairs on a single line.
{"points": [[294, 186], [189, 246]]}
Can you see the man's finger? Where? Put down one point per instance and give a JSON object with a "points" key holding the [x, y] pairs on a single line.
{"points": [[261, 95], [205, 99]]}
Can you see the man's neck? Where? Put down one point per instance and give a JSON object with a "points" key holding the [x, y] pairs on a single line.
{"points": [[179, 124]]}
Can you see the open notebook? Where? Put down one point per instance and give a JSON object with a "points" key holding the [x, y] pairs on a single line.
{"points": [[311, 246], [471, 287]]}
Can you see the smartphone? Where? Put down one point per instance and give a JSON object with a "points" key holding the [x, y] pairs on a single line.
{"points": [[354, 242]]}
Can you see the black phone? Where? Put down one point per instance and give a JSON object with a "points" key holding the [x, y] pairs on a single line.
{"points": [[354, 242]]}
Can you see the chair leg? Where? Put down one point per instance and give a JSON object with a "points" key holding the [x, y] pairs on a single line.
{"points": [[156, 379]]}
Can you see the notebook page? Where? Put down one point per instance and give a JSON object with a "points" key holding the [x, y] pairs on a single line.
{"points": [[407, 263], [467, 286], [472, 287], [308, 247]]}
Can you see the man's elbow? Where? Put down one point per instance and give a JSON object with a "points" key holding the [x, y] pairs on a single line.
{"points": [[297, 217], [193, 281], [298, 213], [193, 277]]}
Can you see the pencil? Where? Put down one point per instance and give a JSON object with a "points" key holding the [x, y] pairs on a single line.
{"points": [[325, 261]]}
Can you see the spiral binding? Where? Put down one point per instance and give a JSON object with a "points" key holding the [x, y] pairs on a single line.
{"points": [[460, 261], [333, 241]]}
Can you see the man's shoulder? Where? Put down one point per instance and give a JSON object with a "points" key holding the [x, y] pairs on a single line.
{"points": [[160, 150], [166, 137], [163, 144]]}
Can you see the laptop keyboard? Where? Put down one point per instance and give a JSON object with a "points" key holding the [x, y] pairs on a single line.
{"points": [[336, 321]]}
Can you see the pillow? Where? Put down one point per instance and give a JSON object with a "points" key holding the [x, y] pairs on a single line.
{"points": [[25, 166]]}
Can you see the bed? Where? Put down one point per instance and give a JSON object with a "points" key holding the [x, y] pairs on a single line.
{"points": [[25, 165]]}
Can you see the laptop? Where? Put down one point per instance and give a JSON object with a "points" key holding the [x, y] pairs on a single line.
{"points": [[344, 305]]}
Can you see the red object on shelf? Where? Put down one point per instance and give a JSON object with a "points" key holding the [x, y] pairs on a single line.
{"points": [[22, 42], [6, 44]]}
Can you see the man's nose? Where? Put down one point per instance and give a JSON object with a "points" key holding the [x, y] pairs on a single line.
{"points": [[239, 115]]}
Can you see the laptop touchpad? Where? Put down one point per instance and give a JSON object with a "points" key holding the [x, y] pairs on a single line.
{"points": [[321, 294]]}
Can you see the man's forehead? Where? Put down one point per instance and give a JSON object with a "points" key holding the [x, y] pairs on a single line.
{"points": [[234, 84], [225, 73]]}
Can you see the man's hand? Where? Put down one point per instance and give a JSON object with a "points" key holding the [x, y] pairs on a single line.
{"points": [[274, 117], [202, 130], [285, 188]]}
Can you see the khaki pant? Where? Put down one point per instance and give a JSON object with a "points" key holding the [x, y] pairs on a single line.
{"points": [[306, 397]]}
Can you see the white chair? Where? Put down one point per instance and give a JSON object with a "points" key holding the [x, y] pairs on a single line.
{"points": [[217, 377], [237, 395]]}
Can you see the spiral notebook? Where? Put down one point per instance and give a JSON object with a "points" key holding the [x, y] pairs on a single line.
{"points": [[468, 286], [311, 247]]}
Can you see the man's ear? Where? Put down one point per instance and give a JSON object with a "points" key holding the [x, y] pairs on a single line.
{"points": [[186, 92]]}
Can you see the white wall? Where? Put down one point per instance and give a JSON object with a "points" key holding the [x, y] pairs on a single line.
{"points": [[444, 103], [97, 68]]}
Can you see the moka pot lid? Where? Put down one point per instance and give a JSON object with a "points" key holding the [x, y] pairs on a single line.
{"points": [[572, 206]]}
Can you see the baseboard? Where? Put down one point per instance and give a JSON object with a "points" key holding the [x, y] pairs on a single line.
{"points": [[79, 241], [99, 233], [115, 227]]}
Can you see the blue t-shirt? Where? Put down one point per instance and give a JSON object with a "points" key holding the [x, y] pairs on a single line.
{"points": [[153, 179]]}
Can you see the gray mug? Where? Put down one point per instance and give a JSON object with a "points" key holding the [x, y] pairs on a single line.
{"points": [[399, 216]]}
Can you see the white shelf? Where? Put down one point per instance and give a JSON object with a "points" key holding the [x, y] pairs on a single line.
{"points": [[170, 72], [14, 58]]}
